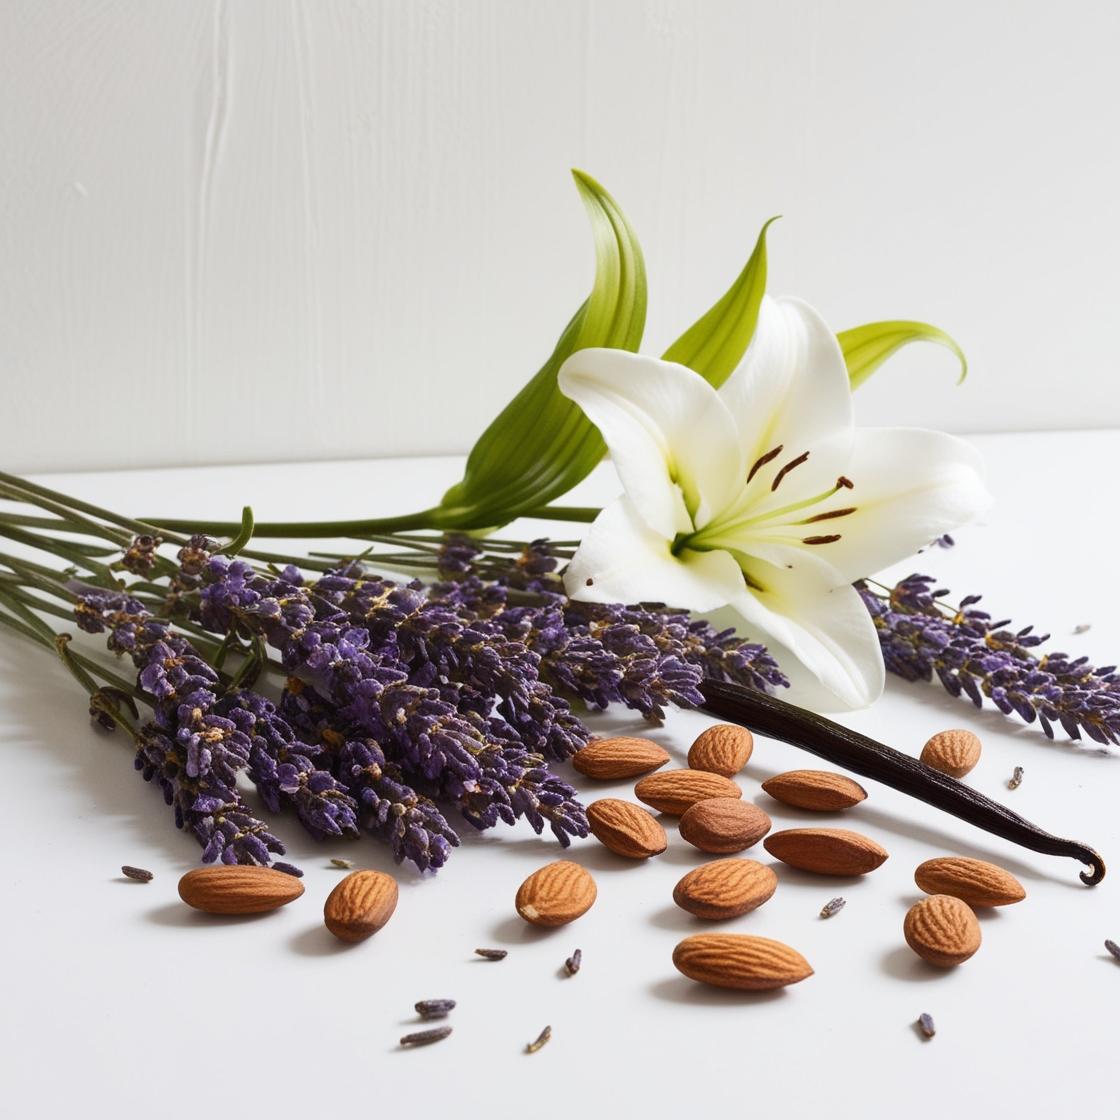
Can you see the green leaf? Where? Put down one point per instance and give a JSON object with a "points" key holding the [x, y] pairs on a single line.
{"points": [[715, 344], [541, 444], [866, 348]]}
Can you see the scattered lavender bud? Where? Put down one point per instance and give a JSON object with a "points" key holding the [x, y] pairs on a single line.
{"points": [[493, 954], [137, 873], [1112, 947], [574, 962], [539, 1041], [434, 1008], [424, 1038], [925, 1025], [833, 907], [1083, 628], [344, 864], [1016, 779]]}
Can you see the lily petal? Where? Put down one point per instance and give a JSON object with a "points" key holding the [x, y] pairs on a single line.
{"points": [[822, 621], [669, 433], [622, 560], [791, 391], [909, 486]]}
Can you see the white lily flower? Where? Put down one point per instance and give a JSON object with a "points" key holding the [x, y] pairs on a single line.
{"points": [[763, 495]]}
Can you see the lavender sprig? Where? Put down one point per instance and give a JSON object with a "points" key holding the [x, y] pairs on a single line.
{"points": [[978, 657]]}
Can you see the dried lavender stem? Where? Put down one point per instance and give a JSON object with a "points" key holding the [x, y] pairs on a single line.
{"points": [[423, 1038], [493, 954], [539, 1041], [871, 759], [138, 873], [573, 964]]}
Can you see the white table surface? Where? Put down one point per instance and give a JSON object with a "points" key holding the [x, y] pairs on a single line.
{"points": [[119, 1001]]}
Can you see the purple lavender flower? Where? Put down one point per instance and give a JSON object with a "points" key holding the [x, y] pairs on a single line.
{"points": [[973, 655]]}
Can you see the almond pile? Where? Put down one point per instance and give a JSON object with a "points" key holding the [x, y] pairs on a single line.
{"points": [[714, 818]]}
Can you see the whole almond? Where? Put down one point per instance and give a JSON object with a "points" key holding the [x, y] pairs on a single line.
{"points": [[627, 829], [971, 880], [725, 888], [954, 752], [674, 791], [942, 930], [360, 905], [817, 790], [826, 851], [724, 824], [556, 894], [235, 889], [620, 757], [736, 960], [723, 749]]}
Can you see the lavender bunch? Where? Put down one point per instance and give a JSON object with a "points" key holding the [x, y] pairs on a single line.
{"points": [[190, 750], [973, 655], [438, 730]]}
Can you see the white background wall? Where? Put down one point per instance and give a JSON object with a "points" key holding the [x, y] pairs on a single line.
{"points": [[251, 230]]}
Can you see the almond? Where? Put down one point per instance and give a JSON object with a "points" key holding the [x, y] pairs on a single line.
{"points": [[971, 880], [735, 960], [942, 930], [556, 894], [360, 905], [620, 757], [724, 824], [725, 888], [954, 752], [627, 829], [817, 790], [674, 791], [234, 889], [724, 749], [827, 851]]}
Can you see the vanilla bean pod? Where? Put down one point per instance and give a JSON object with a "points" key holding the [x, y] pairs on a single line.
{"points": [[862, 755]]}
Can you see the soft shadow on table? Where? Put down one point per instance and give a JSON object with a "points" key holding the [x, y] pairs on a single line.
{"points": [[47, 711], [318, 941], [902, 963], [516, 931], [678, 989], [180, 916], [676, 920]]}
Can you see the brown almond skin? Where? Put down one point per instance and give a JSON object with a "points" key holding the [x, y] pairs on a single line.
{"points": [[725, 888], [971, 880], [620, 757], [675, 791], [816, 790], [723, 749], [234, 889], [556, 894], [826, 851], [954, 752], [626, 829], [360, 905], [723, 825], [942, 930], [736, 960]]}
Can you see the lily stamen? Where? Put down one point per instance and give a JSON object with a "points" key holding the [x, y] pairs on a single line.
{"points": [[763, 460], [786, 469]]}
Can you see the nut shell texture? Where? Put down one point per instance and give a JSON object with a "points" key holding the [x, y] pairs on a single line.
{"points": [[816, 790], [971, 880], [723, 749], [360, 905], [735, 960], [556, 894], [674, 791], [620, 757], [625, 828], [234, 889], [954, 752], [723, 825], [725, 888], [942, 930], [826, 851]]}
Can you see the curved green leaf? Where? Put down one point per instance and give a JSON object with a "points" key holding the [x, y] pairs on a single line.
{"points": [[540, 445], [715, 344], [866, 348]]}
